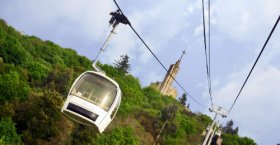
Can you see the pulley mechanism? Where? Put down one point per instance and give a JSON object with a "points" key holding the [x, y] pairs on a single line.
{"points": [[117, 17]]}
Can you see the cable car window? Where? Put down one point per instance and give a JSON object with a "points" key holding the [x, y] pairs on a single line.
{"points": [[115, 109], [95, 89]]}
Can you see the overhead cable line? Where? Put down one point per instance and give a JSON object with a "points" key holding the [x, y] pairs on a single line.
{"points": [[205, 49], [159, 60], [209, 48], [276, 23]]}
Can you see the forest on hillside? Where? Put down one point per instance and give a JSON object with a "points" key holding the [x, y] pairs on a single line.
{"points": [[35, 77]]}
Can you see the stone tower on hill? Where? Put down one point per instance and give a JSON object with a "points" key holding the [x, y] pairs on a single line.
{"points": [[165, 87]]}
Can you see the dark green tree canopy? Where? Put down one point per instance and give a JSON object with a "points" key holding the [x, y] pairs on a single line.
{"points": [[169, 113], [233, 139], [122, 64], [183, 99], [8, 133], [229, 128]]}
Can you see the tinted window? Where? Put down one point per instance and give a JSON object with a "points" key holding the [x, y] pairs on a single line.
{"points": [[95, 89]]}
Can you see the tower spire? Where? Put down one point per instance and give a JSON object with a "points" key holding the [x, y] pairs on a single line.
{"points": [[183, 53], [165, 87]]}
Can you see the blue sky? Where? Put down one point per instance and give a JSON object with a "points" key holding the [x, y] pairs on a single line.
{"points": [[238, 31]]}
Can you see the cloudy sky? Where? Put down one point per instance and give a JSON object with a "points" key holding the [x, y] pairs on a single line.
{"points": [[238, 31]]}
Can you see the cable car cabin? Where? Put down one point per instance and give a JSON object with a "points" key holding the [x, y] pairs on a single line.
{"points": [[93, 100]]}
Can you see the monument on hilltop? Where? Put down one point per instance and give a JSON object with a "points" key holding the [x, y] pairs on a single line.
{"points": [[165, 87]]}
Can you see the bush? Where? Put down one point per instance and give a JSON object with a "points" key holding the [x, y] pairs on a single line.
{"points": [[37, 117], [37, 71], [11, 87], [2, 142], [187, 124], [8, 132], [233, 139], [118, 136]]}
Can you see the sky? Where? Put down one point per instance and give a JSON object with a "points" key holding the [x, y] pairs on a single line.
{"points": [[239, 29]]}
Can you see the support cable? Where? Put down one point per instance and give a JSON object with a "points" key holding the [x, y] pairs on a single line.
{"points": [[276, 23], [159, 60], [209, 48], [205, 49]]}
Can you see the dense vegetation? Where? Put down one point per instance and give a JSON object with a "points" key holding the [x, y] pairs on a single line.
{"points": [[230, 136], [35, 76]]}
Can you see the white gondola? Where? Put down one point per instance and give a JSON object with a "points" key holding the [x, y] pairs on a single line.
{"points": [[93, 100]]}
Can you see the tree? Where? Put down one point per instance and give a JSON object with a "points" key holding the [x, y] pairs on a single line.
{"points": [[233, 139], [229, 128], [183, 99], [11, 86], [168, 115], [37, 71], [59, 79], [38, 116], [118, 136], [122, 64]]}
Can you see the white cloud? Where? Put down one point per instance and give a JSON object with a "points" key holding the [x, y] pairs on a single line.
{"points": [[242, 20], [198, 30], [87, 16]]}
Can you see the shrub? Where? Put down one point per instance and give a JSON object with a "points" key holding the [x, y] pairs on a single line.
{"points": [[8, 132], [118, 136]]}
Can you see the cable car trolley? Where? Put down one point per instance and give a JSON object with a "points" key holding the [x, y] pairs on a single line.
{"points": [[94, 98]]}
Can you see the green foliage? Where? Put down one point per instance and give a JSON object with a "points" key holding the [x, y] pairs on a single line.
{"points": [[59, 79], [8, 132], [230, 136], [133, 96], [154, 97], [203, 119], [169, 113], [37, 116], [12, 51], [2, 142], [12, 87], [175, 141], [118, 136], [233, 139], [7, 109], [183, 99], [122, 64], [37, 71], [83, 135], [110, 71], [188, 124], [229, 128]]}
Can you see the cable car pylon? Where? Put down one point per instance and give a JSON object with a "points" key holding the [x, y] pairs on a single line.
{"points": [[212, 134], [218, 111]]}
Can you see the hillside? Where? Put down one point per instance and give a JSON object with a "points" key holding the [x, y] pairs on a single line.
{"points": [[35, 77]]}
